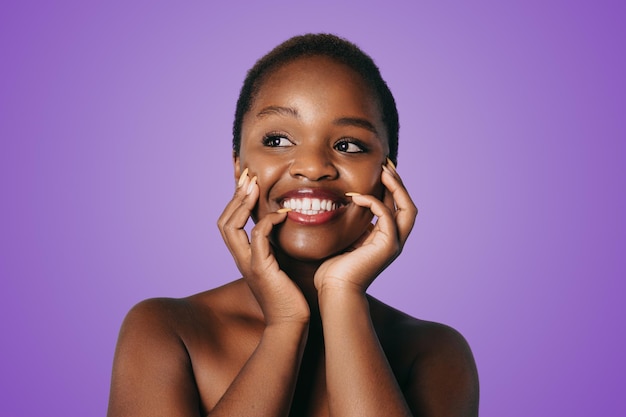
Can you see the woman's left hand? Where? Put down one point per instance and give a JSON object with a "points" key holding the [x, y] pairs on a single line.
{"points": [[356, 268]]}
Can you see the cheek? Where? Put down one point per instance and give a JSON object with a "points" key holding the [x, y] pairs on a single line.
{"points": [[267, 177], [268, 174], [367, 181], [265, 168]]}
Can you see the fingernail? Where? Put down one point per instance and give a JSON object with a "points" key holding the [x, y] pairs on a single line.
{"points": [[242, 178], [352, 194], [283, 210], [387, 170], [391, 164], [251, 186]]}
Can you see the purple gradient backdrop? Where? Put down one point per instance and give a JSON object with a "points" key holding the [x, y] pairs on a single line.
{"points": [[115, 164]]}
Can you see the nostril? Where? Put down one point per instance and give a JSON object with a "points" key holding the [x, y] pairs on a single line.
{"points": [[313, 168]]}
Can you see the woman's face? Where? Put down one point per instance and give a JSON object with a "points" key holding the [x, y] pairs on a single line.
{"points": [[314, 132]]}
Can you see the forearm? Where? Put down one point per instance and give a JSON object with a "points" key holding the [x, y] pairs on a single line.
{"points": [[359, 380], [266, 383]]}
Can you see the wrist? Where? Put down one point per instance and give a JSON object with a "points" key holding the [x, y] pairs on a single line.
{"points": [[292, 322], [286, 329], [336, 298], [282, 338], [340, 288]]}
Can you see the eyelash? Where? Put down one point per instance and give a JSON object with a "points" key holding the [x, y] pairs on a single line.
{"points": [[273, 140], [272, 137], [350, 141]]}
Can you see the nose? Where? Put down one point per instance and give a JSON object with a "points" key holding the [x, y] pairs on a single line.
{"points": [[313, 164]]}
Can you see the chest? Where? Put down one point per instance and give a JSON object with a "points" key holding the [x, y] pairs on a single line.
{"points": [[216, 365]]}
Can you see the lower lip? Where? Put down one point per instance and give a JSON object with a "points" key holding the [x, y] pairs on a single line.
{"points": [[313, 219]]}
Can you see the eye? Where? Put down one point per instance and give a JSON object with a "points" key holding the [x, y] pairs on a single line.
{"points": [[349, 146], [276, 141]]}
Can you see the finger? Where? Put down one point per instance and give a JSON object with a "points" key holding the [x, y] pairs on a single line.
{"points": [[233, 231], [241, 210], [238, 197], [388, 200], [391, 168], [386, 222], [406, 211], [260, 234], [245, 197]]}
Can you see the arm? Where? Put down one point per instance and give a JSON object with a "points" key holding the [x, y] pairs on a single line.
{"points": [[266, 384], [152, 372], [153, 375], [360, 380], [442, 380]]}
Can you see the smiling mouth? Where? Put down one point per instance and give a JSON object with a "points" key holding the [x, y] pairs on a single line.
{"points": [[310, 206]]}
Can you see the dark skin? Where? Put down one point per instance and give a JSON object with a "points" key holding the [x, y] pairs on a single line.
{"points": [[297, 334]]}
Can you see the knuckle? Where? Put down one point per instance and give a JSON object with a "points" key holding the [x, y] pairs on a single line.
{"points": [[228, 228], [256, 233]]}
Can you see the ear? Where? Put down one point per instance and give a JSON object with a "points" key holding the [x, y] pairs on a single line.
{"points": [[236, 166]]}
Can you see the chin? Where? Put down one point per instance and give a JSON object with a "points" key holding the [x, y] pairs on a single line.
{"points": [[307, 247], [305, 254]]}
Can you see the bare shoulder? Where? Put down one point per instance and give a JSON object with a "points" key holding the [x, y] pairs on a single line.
{"points": [[163, 343], [150, 358], [181, 318], [421, 337], [159, 319], [155, 315], [432, 361]]}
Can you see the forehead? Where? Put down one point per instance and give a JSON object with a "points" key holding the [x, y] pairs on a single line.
{"points": [[321, 78]]}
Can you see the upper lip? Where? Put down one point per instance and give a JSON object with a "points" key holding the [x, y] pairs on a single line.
{"points": [[320, 193]]}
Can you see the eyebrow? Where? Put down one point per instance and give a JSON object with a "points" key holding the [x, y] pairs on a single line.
{"points": [[356, 121], [283, 111], [342, 121]]}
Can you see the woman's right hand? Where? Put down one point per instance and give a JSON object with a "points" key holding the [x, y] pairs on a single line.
{"points": [[279, 297]]}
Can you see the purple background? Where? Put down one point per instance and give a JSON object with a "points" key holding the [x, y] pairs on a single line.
{"points": [[115, 164]]}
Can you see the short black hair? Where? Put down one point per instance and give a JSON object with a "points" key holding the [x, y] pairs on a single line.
{"points": [[320, 44]]}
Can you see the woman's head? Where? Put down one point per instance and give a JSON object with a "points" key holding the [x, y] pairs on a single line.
{"points": [[311, 125], [326, 45]]}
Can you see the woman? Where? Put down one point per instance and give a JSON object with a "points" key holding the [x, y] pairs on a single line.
{"points": [[315, 135]]}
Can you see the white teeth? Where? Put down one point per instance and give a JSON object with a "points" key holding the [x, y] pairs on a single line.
{"points": [[309, 206]]}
